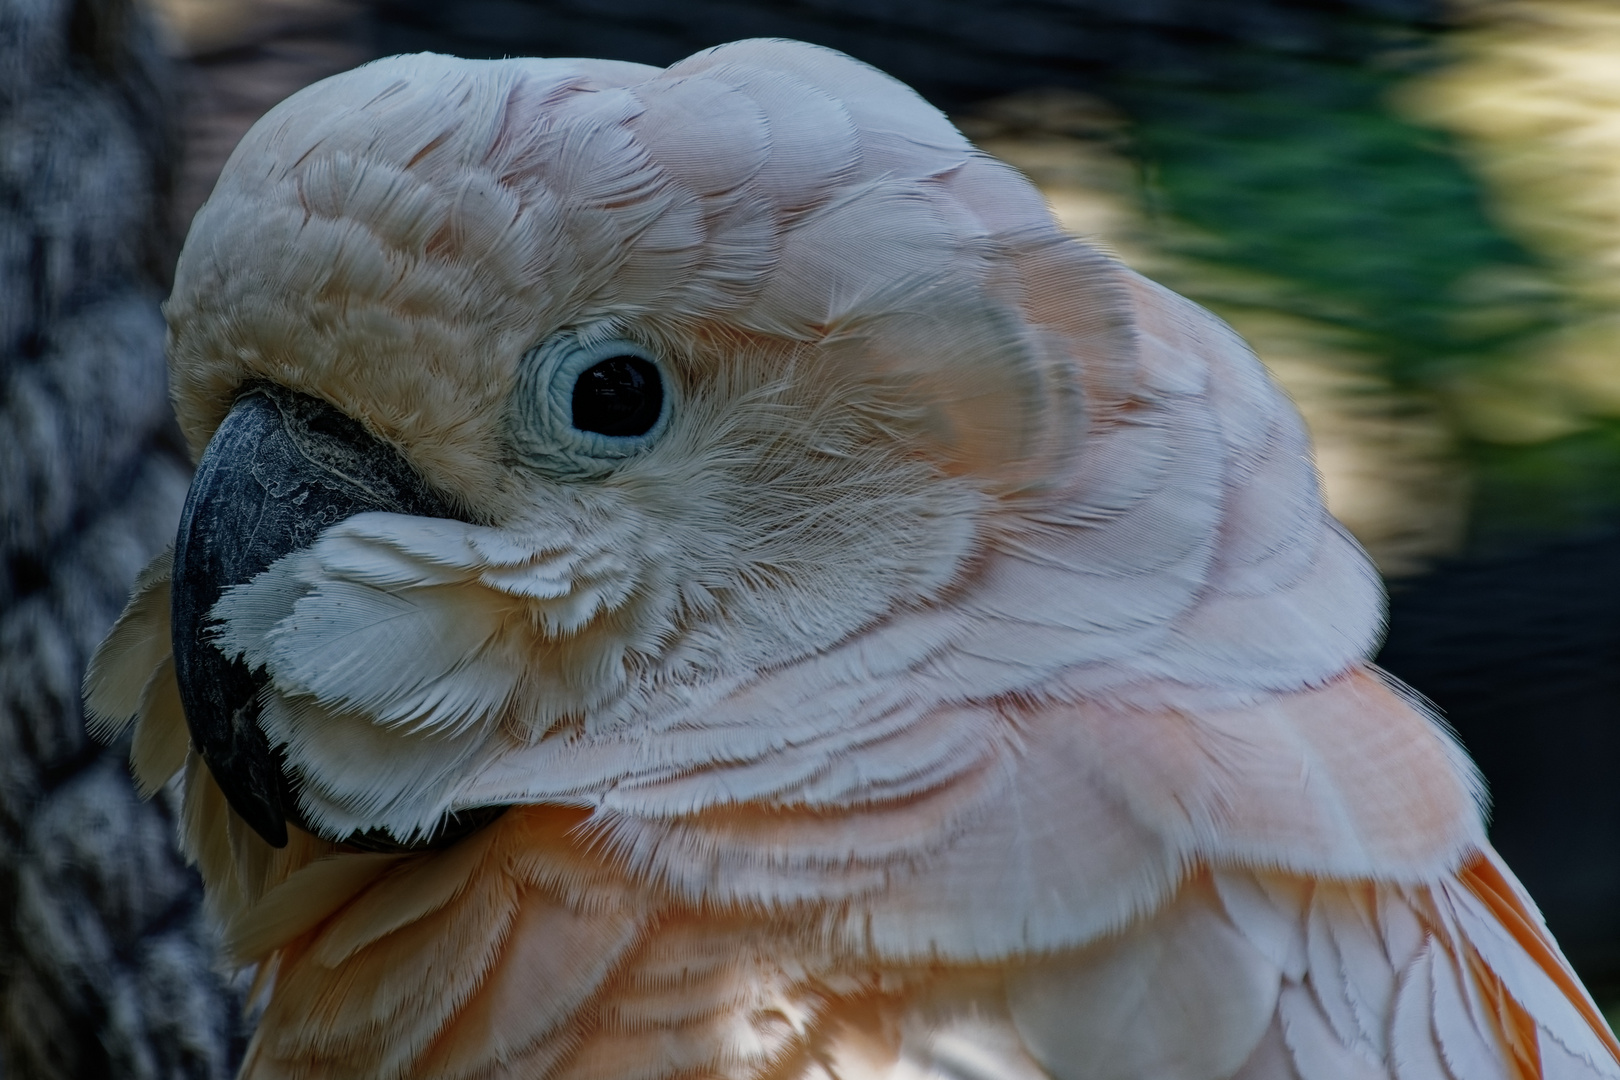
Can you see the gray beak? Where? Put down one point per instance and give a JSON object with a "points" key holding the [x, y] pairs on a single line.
{"points": [[280, 469]]}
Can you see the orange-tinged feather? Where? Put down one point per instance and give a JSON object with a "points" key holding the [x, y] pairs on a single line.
{"points": [[380, 1007], [553, 960], [1515, 1026], [413, 891], [1485, 881], [301, 903]]}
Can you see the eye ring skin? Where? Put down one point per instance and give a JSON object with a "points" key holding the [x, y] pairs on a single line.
{"points": [[541, 416]]}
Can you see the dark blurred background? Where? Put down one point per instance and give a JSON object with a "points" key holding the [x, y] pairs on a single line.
{"points": [[1410, 207]]}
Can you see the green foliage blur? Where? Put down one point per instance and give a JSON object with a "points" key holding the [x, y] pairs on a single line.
{"points": [[1293, 184]]}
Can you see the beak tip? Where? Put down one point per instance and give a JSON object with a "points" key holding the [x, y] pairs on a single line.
{"points": [[249, 774], [263, 817]]}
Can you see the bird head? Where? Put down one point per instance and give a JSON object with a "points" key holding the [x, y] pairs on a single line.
{"points": [[590, 433], [532, 395]]}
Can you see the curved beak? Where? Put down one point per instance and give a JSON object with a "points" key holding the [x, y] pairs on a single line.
{"points": [[282, 468]]}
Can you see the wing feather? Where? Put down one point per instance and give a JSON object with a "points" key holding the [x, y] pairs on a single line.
{"points": [[1327, 979], [1469, 1050], [1414, 1049], [1270, 921], [1273, 1059], [1507, 934], [1184, 996], [1315, 1049], [1369, 977], [1370, 981]]}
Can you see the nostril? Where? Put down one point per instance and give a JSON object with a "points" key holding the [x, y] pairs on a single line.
{"points": [[332, 424]]}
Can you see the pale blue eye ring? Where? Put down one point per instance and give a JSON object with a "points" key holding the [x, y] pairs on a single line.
{"points": [[543, 411]]}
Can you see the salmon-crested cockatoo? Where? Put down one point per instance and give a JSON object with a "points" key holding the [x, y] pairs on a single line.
{"points": [[691, 574]]}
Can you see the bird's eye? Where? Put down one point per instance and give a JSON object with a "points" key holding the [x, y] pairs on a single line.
{"points": [[621, 396], [585, 403]]}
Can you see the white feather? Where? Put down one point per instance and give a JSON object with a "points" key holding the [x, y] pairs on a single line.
{"points": [[1271, 1059], [1271, 916], [900, 134], [1526, 980], [354, 774], [709, 135], [1468, 1049], [162, 739], [812, 146], [1369, 975], [116, 681], [1188, 999], [1414, 1050], [1314, 1047], [1328, 980]]}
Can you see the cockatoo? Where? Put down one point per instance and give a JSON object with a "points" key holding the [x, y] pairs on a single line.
{"points": [[692, 573]]}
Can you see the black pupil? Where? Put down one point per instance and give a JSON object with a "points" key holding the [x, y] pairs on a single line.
{"points": [[620, 396]]}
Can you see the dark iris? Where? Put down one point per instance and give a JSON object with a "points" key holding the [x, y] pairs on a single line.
{"points": [[620, 396]]}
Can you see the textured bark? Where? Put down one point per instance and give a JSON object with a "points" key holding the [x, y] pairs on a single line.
{"points": [[106, 967]]}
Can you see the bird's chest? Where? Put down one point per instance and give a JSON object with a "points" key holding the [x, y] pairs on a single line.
{"points": [[707, 995], [510, 979]]}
